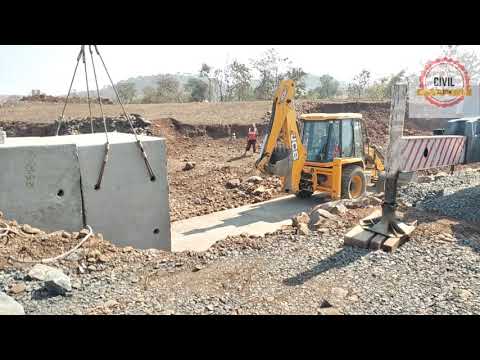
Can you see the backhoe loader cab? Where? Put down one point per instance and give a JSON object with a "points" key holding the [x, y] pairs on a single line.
{"points": [[317, 152], [334, 155]]}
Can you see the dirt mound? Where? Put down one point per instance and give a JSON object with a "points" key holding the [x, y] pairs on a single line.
{"points": [[61, 99], [75, 126], [23, 244]]}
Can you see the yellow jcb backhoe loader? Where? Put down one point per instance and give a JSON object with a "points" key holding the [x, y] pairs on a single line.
{"points": [[319, 152]]}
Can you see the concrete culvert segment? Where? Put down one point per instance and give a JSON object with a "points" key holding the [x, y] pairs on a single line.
{"points": [[126, 204]]}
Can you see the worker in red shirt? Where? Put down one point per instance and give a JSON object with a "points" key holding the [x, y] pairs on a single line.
{"points": [[251, 140]]}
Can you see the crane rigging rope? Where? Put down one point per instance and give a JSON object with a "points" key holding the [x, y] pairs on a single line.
{"points": [[81, 55], [107, 143], [88, 90]]}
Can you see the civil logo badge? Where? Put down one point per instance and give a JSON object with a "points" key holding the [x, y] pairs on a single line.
{"points": [[444, 82]]}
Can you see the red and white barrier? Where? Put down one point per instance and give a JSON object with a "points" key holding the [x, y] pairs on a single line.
{"points": [[426, 152]]}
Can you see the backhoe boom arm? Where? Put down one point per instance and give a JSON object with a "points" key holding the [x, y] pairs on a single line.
{"points": [[282, 152]]}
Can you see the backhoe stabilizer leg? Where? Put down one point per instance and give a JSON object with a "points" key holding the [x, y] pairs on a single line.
{"points": [[382, 229], [379, 233]]}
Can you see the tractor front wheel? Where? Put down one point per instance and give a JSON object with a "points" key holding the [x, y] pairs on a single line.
{"points": [[353, 182]]}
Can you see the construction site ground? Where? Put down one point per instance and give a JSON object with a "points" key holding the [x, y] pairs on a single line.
{"points": [[284, 272]]}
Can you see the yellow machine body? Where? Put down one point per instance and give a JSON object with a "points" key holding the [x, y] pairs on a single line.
{"points": [[308, 153]]}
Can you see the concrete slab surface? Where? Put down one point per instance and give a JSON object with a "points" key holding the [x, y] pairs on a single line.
{"points": [[201, 232]]}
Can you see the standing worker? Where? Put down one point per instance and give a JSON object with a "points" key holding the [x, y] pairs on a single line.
{"points": [[251, 140]]}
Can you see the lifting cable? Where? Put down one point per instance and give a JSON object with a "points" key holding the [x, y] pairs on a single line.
{"points": [[107, 144], [139, 143], [88, 90], [82, 56], [82, 50]]}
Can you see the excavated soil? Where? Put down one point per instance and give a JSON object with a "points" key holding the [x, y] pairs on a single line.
{"points": [[205, 189], [216, 158]]}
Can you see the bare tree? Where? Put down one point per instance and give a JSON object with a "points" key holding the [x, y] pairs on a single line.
{"points": [[469, 59], [359, 84], [241, 80], [270, 67], [205, 73]]}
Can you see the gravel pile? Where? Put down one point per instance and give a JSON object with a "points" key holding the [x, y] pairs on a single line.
{"points": [[437, 272], [455, 195]]}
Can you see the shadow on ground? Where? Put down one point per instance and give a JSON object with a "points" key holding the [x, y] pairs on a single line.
{"points": [[269, 212], [465, 229], [346, 256], [237, 158]]}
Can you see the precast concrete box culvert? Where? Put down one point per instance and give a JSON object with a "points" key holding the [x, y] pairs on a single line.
{"points": [[49, 182]]}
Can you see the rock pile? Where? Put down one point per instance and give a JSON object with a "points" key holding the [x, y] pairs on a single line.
{"points": [[61, 99], [77, 126]]}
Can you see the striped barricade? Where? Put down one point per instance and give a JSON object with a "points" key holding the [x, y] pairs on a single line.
{"points": [[426, 152]]}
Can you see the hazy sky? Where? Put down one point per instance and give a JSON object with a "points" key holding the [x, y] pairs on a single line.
{"points": [[49, 68]]}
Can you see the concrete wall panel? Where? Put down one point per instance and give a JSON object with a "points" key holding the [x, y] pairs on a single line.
{"points": [[128, 209], [40, 186]]}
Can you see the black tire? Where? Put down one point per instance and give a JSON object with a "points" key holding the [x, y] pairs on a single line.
{"points": [[349, 172], [303, 194]]}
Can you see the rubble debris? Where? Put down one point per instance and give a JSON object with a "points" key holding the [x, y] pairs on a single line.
{"points": [[17, 288], [30, 230], [189, 166], [302, 218], [233, 183], [259, 190], [9, 306], [255, 179], [303, 229], [55, 280], [338, 209]]}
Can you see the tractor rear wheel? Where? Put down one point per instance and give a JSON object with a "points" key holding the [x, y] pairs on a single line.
{"points": [[353, 182]]}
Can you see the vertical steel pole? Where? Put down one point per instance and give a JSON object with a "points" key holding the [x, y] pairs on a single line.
{"points": [[392, 164]]}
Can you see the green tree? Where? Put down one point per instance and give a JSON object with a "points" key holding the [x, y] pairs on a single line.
{"points": [[241, 80], [198, 89], [126, 91], [298, 75], [382, 88], [149, 95], [328, 88], [378, 90], [168, 89]]}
